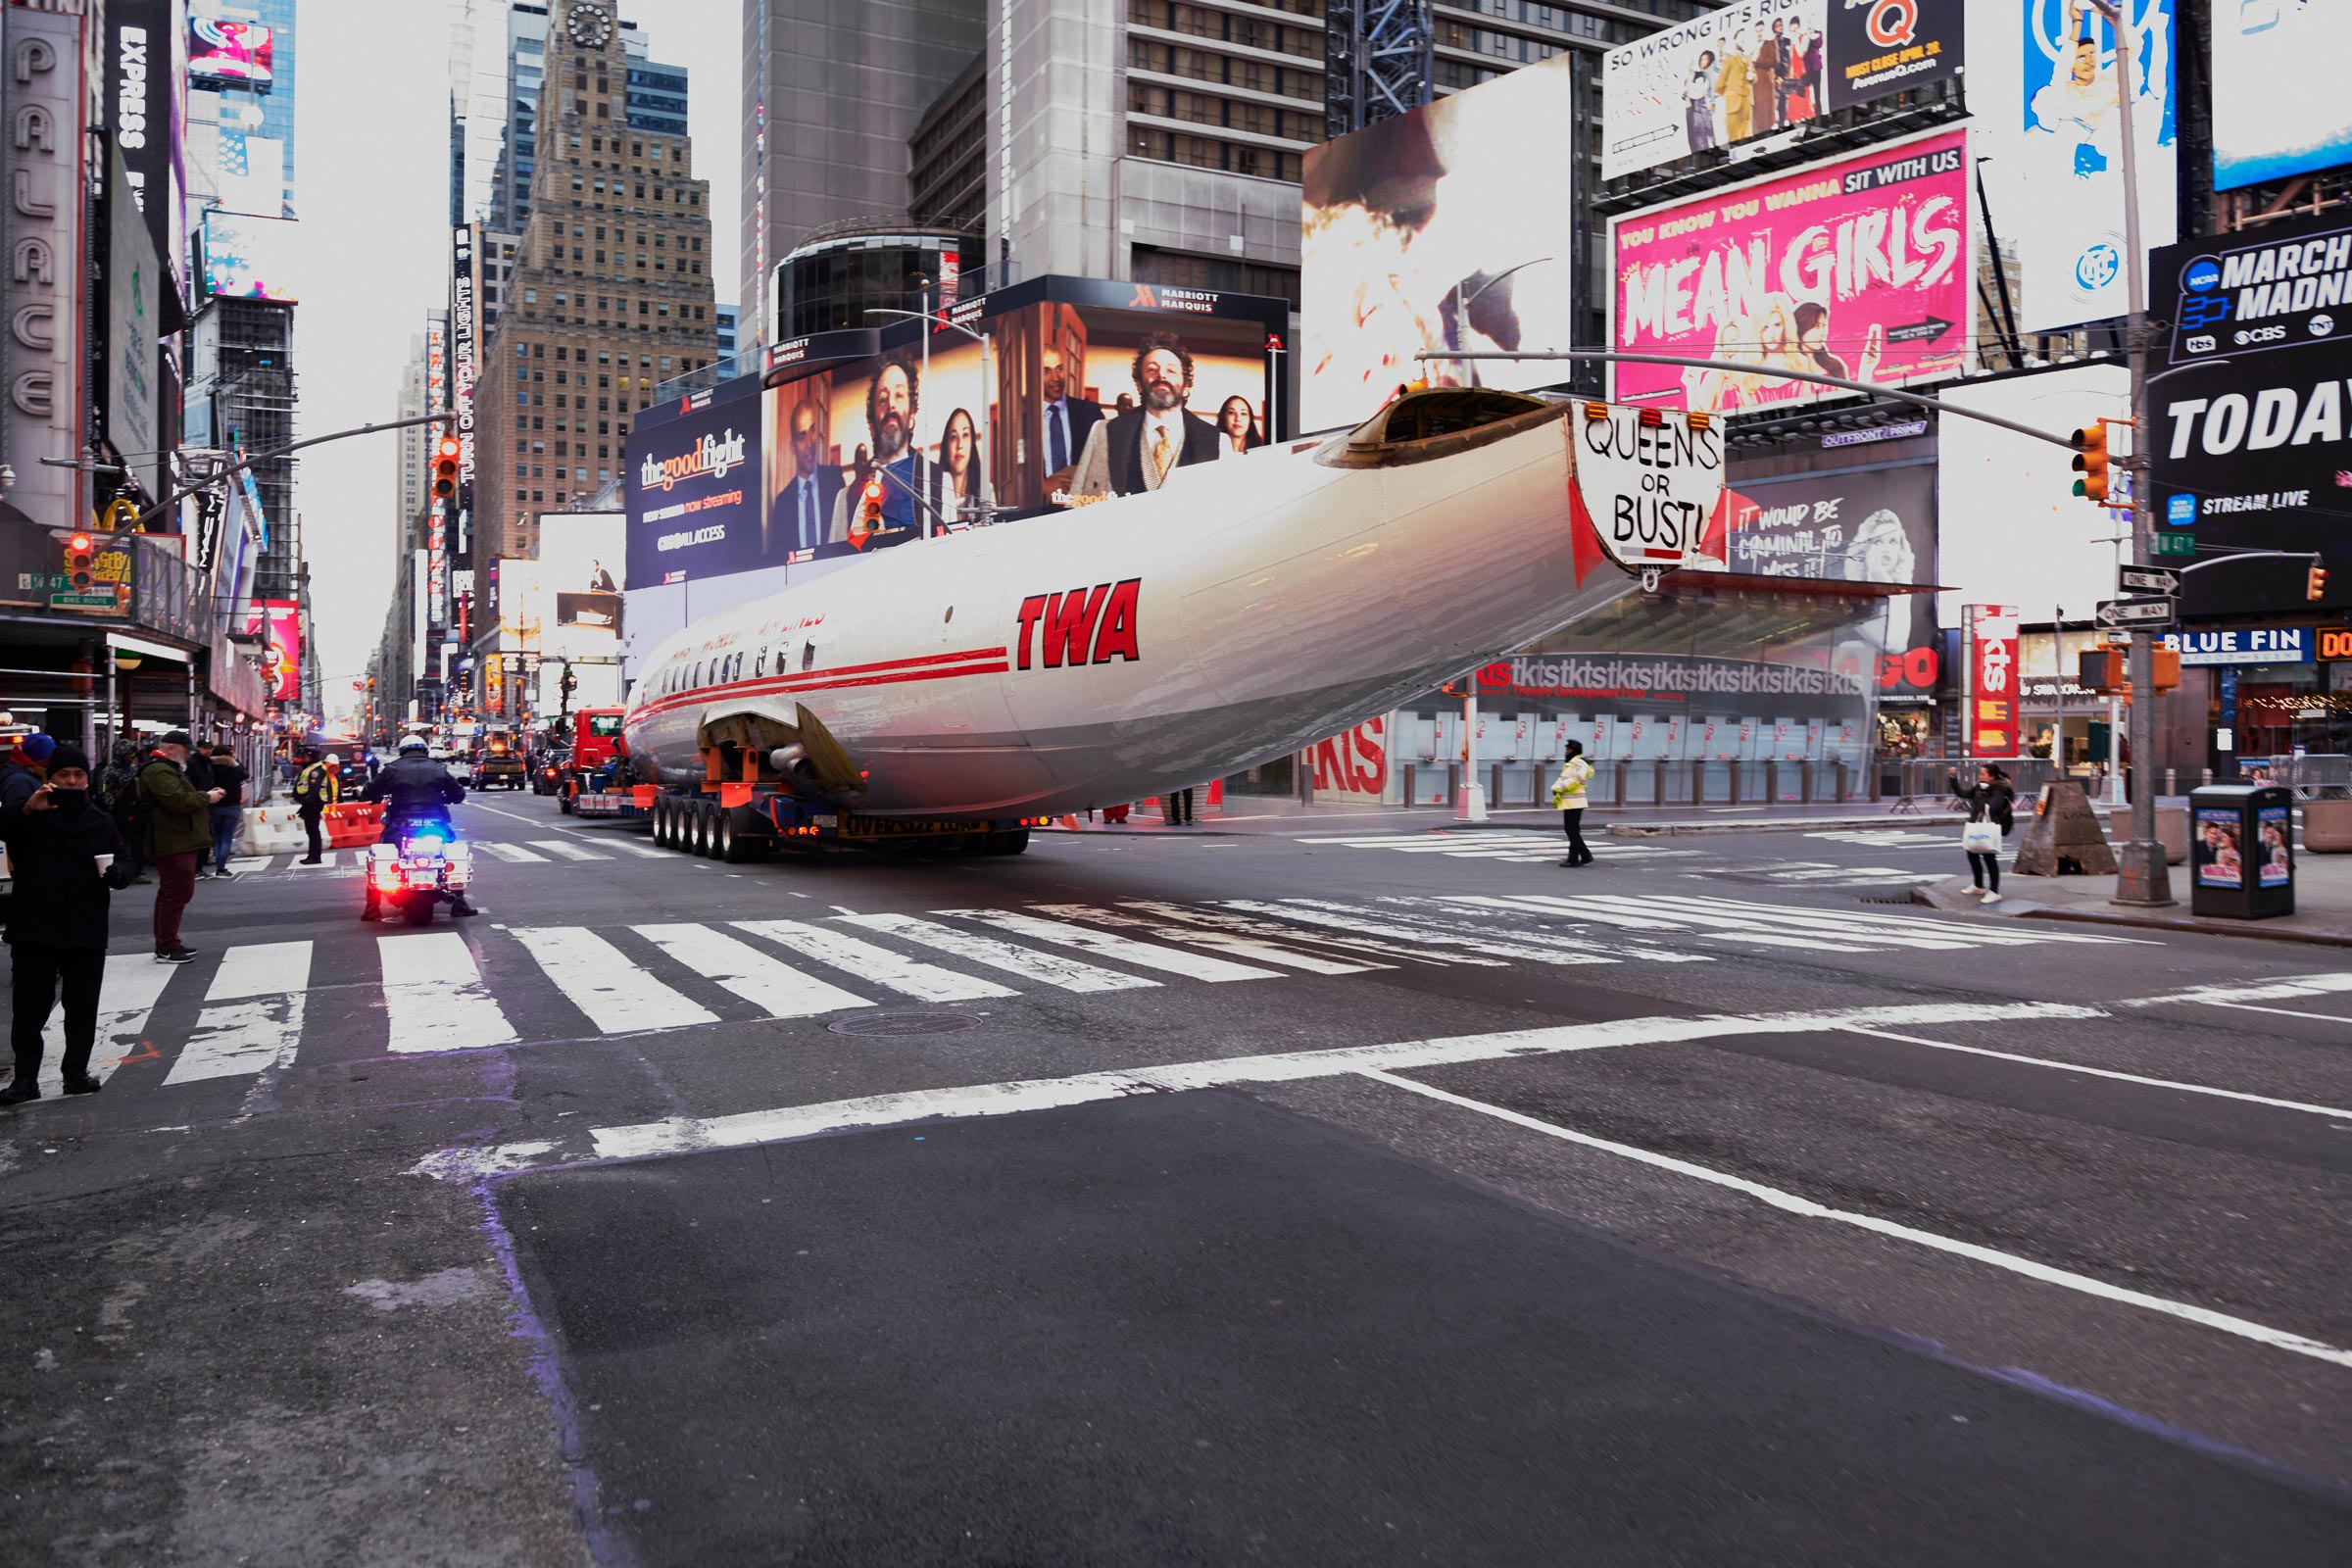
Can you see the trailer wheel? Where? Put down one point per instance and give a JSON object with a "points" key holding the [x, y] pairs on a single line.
{"points": [[698, 817], [737, 847], [722, 838], [1013, 841]]}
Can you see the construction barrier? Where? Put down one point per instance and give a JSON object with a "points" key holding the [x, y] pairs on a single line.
{"points": [[352, 823], [278, 829]]}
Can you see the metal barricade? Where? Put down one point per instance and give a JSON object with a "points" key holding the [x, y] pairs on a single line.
{"points": [[2324, 777]]}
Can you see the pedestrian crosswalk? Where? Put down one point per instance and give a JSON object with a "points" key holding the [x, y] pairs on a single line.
{"points": [[261, 1007], [347, 862], [1527, 846]]}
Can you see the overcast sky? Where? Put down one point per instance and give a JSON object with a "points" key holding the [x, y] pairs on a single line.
{"points": [[372, 187]]}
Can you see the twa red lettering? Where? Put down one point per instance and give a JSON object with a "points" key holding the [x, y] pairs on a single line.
{"points": [[1084, 625]]}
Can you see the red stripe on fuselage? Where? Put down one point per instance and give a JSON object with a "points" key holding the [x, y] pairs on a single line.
{"points": [[889, 671]]}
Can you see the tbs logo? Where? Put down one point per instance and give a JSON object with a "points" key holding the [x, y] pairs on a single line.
{"points": [[2259, 334], [2202, 343], [2098, 267]]}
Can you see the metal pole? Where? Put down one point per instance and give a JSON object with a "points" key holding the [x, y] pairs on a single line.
{"points": [[1470, 800], [2142, 876]]}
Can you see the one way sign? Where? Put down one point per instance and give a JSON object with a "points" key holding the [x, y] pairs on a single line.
{"points": [[2147, 580]]}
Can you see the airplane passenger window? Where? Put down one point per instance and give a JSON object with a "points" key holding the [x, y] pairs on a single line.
{"points": [[808, 656]]}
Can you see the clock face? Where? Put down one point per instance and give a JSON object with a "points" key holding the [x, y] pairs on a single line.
{"points": [[589, 26]]}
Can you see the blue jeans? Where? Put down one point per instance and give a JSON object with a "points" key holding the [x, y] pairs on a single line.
{"points": [[226, 820]]}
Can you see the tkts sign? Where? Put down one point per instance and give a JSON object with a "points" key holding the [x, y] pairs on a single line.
{"points": [[1993, 683]]}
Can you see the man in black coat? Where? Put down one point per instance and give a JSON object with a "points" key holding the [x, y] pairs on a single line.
{"points": [[1138, 450], [63, 851]]}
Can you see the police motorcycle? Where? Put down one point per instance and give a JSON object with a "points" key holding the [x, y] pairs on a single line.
{"points": [[420, 862]]}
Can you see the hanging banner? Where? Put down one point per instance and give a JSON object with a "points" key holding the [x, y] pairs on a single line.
{"points": [[1993, 637], [1860, 267]]}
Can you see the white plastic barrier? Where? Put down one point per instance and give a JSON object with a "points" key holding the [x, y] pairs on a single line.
{"points": [[271, 830]]}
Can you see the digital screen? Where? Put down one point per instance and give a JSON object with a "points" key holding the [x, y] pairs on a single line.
{"points": [[228, 51], [2277, 108], [281, 668], [249, 257]]}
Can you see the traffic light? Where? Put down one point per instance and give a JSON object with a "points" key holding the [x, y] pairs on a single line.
{"points": [[2315, 582], [2091, 462], [81, 555], [445, 469], [869, 512]]}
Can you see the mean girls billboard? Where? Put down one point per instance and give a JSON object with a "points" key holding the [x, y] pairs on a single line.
{"points": [[1859, 268]]}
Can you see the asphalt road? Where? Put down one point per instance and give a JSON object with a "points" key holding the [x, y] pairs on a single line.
{"points": [[1345, 1192]]}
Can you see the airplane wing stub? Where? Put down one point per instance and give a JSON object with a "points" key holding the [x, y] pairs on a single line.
{"points": [[821, 764]]}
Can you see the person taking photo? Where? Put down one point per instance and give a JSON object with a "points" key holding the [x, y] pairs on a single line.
{"points": [[63, 849]]}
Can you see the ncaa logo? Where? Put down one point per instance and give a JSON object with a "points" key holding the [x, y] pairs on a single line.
{"points": [[2202, 275], [2098, 267], [2202, 343], [2181, 511]]}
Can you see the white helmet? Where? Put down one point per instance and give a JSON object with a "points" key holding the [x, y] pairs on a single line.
{"points": [[413, 742], [332, 760]]}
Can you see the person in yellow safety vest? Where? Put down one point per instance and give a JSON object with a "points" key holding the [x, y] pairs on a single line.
{"points": [[317, 787], [1568, 796]]}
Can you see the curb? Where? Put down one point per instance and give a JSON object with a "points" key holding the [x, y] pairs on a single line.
{"points": [[1783, 824], [2257, 931]]}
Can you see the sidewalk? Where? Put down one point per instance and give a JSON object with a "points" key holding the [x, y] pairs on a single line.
{"points": [[2323, 904], [1260, 813]]}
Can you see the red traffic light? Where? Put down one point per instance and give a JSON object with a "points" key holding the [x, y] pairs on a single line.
{"points": [[79, 544]]}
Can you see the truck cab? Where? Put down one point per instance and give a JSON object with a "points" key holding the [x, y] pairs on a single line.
{"points": [[498, 762]]}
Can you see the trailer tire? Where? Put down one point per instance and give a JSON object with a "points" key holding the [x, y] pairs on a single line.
{"points": [[738, 847], [662, 833], [702, 814], [1012, 840]]}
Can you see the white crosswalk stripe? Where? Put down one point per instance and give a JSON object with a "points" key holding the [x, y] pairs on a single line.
{"points": [[1228, 942], [133, 981], [1105, 944], [775, 986], [1809, 929], [567, 851], [645, 851], [618, 995], [434, 996], [1521, 845], [1354, 918], [1352, 940], [252, 1019], [1890, 838], [1048, 968], [512, 853], [926, 982]]}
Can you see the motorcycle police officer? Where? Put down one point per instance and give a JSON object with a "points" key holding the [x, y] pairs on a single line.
{"points": [[415, 789]]}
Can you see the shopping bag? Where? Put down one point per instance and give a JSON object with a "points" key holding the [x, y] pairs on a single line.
{"points": [[1982, 838]]}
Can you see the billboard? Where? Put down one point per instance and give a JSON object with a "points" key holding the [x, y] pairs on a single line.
{"points": [[134, 314], [694, 490], [281, 666], [234, 53], [2253, 431], [1860, 267], [2058, 168], [249, 257], [1856, 525], [1407, 230], [1757, 68], [139, 106], [2278, 104], [1993, 695], [580, 581]]}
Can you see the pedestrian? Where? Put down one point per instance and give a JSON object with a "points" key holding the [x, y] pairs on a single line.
{"points": [[61, 849], [229, 812], [316, 788], [1568, 796], [1176, 806], [179, 830], [1990, 802], [22, 770], [200, 774], [121, 797]]}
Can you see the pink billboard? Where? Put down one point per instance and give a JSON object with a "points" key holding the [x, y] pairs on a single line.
{"points": [[1860, 267]]}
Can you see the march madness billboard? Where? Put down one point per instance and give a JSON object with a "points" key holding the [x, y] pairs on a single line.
{"points": [[1861, 267]]}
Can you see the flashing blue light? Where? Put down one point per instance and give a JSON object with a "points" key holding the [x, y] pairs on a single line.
{"points": [[424, 841]]}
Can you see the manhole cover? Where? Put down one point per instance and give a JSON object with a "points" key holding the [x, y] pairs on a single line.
{"points": [[903, 1023]]}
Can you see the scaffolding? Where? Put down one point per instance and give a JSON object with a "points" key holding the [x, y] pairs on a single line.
{"points": [[1376, 62]]}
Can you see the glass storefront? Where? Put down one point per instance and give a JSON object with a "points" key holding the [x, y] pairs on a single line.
{"points": [[2281, 709]]}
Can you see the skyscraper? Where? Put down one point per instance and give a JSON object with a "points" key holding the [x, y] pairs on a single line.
{"points": [[611, 293]]}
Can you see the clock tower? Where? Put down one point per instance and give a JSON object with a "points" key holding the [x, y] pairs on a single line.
{"points": [[609, 295]]}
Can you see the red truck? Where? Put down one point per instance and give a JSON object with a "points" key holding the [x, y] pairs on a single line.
{"points": [[596, 752]]}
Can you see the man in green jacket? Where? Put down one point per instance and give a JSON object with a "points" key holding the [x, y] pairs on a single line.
{"points": [[178, 832]]}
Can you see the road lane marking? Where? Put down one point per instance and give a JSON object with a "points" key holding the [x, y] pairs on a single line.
{"points": [[512, 853], [774, 987], [1349, 918], [2120, 1077], [598, 979], [133, 982], [2301, 985], [253, 1018], [1225, 942], [434, 996], [1048, 968], [1632, 949], [569, 852], [1726, 925], [1923, 925], [686, 1134], [1807, 1208], [1103, 943], [2284, 1013], [926, 982], [1218, 920], [645, 851]]}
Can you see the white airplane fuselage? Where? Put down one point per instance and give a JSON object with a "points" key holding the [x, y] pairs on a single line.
{"points": [[1249, 608]]}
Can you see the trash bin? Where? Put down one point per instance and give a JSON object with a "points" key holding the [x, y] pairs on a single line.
{"points": [[2241, 850]]}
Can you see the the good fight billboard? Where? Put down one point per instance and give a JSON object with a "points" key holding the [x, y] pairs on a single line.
{"points": [[1861, 269], [1760, 67], [693, 489]]}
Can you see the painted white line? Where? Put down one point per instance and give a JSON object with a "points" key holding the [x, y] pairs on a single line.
{"points": [[1143, 955], [434, 996], [1941, 927], [1785, 931], [1225, 942], [645, 851], [1048, 968], [926, 982], [1806, 1208], [774, 987], [1220, 921], [2301, 985], [2284, 1013], [512, 853], [1633, 947], [2120, 1077], [326, 861], [252, 1020], [680, 1134], [602, 982], [1349, 918], [569, 852], [133, 982], [1551, 950]]}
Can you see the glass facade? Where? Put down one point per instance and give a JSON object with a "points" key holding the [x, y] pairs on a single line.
{"points": [[831, 285]]}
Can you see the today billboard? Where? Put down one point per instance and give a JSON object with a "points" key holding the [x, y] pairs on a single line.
{"points": [[1425, 231], [2280, 108], [1757, 68], [2252, 446], [1860, 267]]}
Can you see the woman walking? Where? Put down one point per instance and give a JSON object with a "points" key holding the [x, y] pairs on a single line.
{"points": [[1568, 795], [1989, 817]]}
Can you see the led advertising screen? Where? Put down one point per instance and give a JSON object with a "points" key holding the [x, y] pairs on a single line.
{"points": [[281, 668], [1758, 67], [1451, 227], [234, 52], [1861, 267], [2253, 409], [694, 488], [2280, 108], [248, 258]]}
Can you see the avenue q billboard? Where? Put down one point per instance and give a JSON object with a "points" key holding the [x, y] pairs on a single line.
{"points": [[1861, 267], [1758, 67], [2253, 441]]}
